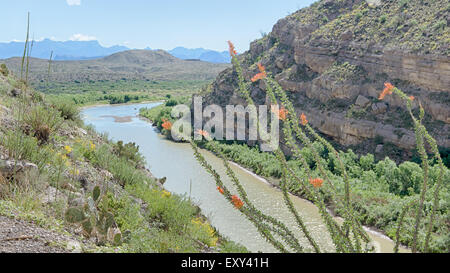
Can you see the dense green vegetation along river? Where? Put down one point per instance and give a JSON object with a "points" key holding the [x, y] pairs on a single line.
{"points": [[185, 176]]}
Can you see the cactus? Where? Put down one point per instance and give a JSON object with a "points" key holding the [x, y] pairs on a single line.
{"points": [[117, 239], [86, 208], [104, 222], [114, 236], [96, 193], [95, 220], [87, 227], [109, 220]]}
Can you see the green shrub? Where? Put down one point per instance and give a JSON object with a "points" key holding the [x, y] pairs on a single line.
{"points": [[120, 167], [36, 97], [23, 147], [4, 70], [367, 161], [129, 151], [440, 25], [407, 179], [157, 114], [19, 145], [68, 110], [171, 211], [171, 102], [41, 122]]}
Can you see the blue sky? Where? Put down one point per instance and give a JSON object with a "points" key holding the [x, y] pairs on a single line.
{"points": [[162, 24]]}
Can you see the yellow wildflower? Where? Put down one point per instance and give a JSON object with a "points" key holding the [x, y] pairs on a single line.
{"points": [[205, 227], [166, 193], [62, 156], [68, 149]]}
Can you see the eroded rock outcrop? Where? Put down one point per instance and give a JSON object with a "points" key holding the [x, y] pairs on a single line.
{"points": [[334, 57]]}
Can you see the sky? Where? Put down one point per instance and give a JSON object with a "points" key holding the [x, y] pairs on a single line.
{"points": [[158, 24]]}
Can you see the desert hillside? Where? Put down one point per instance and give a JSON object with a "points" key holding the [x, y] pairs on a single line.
{"points": [[334, 57], [65, 188], [131, 65]]}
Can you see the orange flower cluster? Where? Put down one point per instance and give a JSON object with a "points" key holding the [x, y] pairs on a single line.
{"points": [[261, 68], [220, 190], [316, 182], [283, 113], [387, 90], [411, 97], [280, 113], [203, 133], [167, 125], [303, 119], [237, 202], [232, 49], [261, 75]]}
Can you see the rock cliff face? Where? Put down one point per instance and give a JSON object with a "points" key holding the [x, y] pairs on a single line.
{"points": [[334, 56]]}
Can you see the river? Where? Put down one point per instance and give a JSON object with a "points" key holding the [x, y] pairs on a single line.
{"points": [[186, 177]]}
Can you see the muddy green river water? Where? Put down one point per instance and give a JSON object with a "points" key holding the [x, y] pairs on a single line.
{"points": [[185, 176]]}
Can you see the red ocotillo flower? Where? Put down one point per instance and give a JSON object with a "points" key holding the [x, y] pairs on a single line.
{"points": [[316, 182], [261, 68], [203, 133], [237, 202], [411, 98], [220, 190], [232, 49], [261, 75], [283, 113], [167, 125], [388, 89], [303, 119], [280, 113], [258, 77]]}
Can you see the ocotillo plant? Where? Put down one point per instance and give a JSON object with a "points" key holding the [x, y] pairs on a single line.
{"points": [[25, 48], [348, 237], [422, 138], [29, 51], [49, 67]]}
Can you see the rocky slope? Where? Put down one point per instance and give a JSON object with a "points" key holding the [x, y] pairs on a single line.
{"points": [[18, 236], [64, 188], [334, 57]]}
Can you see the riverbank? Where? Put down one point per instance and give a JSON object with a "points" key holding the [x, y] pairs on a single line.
{"points": [[62, 181], [386, 243], [380, 190], [372, 230], [106, 103]]}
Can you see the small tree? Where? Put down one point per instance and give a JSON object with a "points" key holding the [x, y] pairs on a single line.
{"points": [[4, 70]]}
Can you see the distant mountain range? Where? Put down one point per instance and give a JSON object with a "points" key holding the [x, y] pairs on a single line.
{"points": [[68, 50], [87, 50], [149, 65], [201, 54]]}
